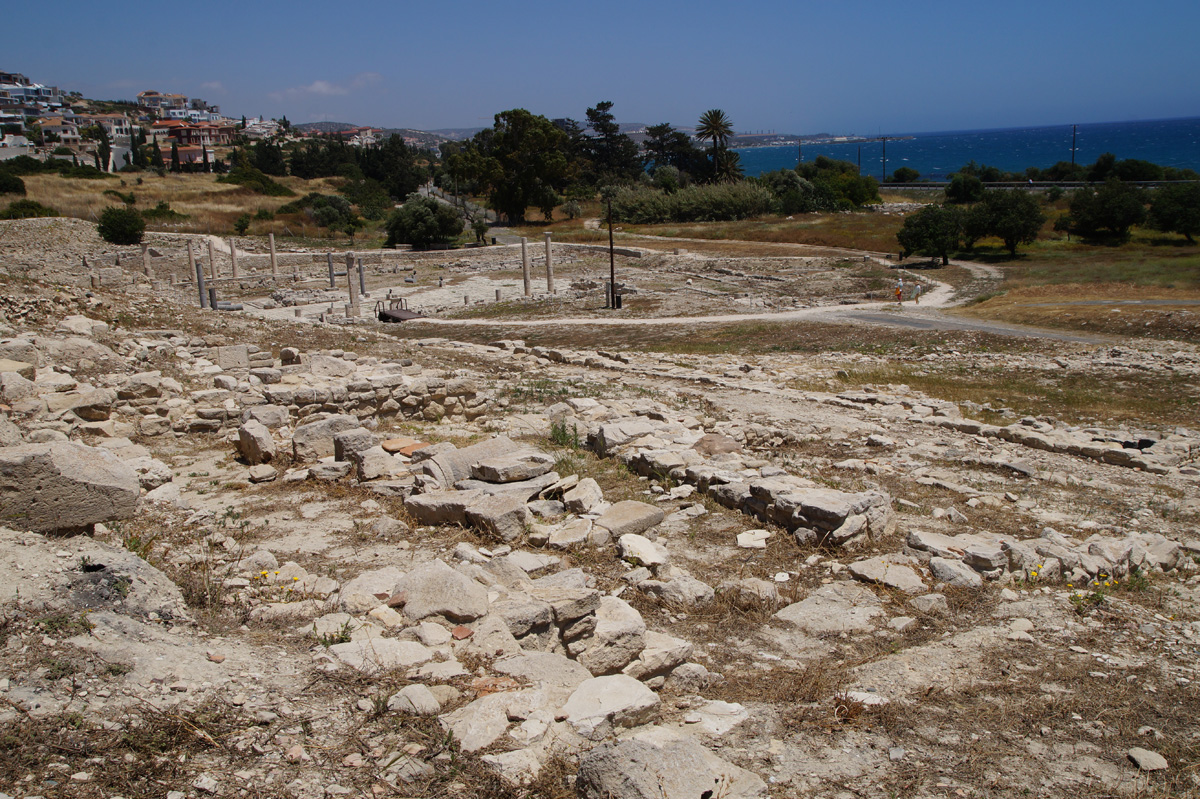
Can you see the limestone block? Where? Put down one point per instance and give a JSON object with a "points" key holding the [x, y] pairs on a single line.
{"points": [[255, 443], [602, 703], [64, 487], [435, 589]]}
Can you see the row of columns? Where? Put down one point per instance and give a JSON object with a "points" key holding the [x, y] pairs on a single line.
{"points": [[212, 258], [355, 275]]}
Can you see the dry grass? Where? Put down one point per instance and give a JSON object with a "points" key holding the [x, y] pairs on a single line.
{"points": [[1146, 398], [211, 207], [749, 338], [860, 231]]}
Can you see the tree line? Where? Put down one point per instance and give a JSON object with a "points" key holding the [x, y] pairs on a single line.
{"points": [[1104, 214]]}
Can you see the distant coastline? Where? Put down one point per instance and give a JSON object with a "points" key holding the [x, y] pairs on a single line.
{"points": [[1168, 142]]}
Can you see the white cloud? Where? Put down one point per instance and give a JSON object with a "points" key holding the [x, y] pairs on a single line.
{"points": [[325, 88]]}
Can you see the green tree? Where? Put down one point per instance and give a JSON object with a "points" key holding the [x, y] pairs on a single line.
{"points": [[156, 159], [1105, 213], [121, 225], [175, 165], [518, 162], [934, 231], [422, 222], [267, 157], [963, 189], [667, 147], [103, 149], [715, 127], [1012, 215], [613, 154], [1173, 209], [905, 174], [241, 224]]}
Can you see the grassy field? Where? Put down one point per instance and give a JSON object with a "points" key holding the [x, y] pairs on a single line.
{"points": [[210, 207], [1147, 287]]}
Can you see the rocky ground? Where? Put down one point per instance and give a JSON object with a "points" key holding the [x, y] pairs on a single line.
{"points": [[245, 556]]}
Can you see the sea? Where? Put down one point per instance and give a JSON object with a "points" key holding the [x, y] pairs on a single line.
{"points": [[1167, 142]]}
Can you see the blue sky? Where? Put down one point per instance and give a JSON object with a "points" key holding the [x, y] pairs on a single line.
{"points": [[798, 66]]}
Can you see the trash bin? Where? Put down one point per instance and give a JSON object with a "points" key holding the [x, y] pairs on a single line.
{"points": [[617, 301]]}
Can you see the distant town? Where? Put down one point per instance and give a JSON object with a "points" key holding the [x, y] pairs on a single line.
{"points": [[43, 121]]}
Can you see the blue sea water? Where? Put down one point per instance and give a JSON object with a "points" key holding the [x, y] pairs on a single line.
{"points": [[1168, 142]]}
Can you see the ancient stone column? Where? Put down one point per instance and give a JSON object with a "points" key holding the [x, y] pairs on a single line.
{"points": [[274, 266], [233, 258], [146, 259], [212, 260], [525, 266], [362, 280], [191, 258], [212, 298], [199, 270], [352, 283], [332, 281], [549, 267]]}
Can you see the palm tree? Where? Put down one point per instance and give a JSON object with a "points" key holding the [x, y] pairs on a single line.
{"points": [[715, 126]]}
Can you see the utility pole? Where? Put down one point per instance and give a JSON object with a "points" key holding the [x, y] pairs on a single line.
{"points": [[883, 177], [1074, 130], [860, 159], [612, 262]]}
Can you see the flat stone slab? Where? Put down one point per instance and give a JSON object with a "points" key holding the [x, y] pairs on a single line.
{"points": [[1147, 760], [373, 655], [894, 571], [630, 517], [513, 467], [660, 763], [549, 668], [753, 539], [834, 608]]}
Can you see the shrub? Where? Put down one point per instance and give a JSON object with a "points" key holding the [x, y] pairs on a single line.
{"points": [[162, 213], [241, 224], [255, 180], [905, 174], [423, 222], [837, 185], [26, 209], [262, 214], [128, 199], [325, 210], [121, 225], [710, 203], [11, 184]]}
